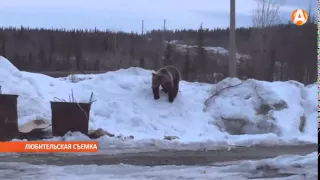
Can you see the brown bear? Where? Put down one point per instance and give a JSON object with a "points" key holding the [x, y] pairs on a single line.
{"points": [[168, 77]]}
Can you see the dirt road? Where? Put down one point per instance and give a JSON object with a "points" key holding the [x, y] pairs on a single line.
{"points": [[186, 157]]}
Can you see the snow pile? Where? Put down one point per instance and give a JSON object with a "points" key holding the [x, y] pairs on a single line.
{"points": [[280, 162], [210, 49], [283, 167], [287, 109], [248, 113], [290, 166]]}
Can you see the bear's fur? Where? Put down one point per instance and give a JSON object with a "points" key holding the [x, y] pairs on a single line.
{"points": [[168, 78]]}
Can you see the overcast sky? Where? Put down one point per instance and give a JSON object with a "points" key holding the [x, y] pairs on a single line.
{"points": [[126, 15]]}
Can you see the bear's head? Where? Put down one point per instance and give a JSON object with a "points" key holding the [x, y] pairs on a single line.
{"points": [[157, 79]]}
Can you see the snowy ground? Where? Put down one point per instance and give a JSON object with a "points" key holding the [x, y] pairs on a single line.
{"points": [[283, 167], [252, 113]]}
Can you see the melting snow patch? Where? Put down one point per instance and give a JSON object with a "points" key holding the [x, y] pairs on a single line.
{"points": [[281, 168]]}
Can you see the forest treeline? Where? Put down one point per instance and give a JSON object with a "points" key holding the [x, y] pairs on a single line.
{"points": [[282, 52]]}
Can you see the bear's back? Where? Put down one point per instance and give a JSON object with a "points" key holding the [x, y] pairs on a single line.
{"points": [[175, 73]]}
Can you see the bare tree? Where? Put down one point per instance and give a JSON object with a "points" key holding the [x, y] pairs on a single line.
{"points": [[265, 16], [232, 39], [312, 16]]}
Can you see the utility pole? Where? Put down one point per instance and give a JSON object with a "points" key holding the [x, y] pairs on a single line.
{"points": [[142, 27], [164, 31], [232, 40]]}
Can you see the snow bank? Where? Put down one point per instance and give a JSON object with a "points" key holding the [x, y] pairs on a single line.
{"points": [[287, 109], [250, 113], [283, 167], [288, 166], [180, 46]]}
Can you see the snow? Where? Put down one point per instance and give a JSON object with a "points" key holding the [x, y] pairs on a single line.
{"points": [[237, 109], [215, 50], [291, 166], [125, 105]]}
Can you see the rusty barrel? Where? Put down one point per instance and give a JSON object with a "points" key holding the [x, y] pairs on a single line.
{"points": [[67, 116], [8, 116]]}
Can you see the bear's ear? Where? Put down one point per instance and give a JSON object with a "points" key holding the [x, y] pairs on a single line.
{"points": [[154, 73]]}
